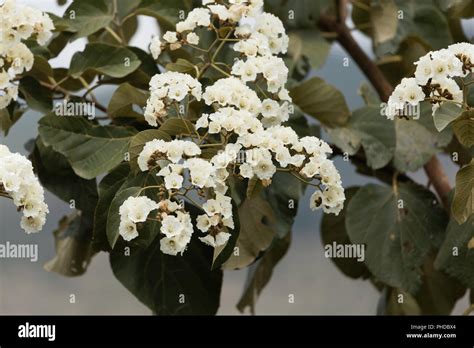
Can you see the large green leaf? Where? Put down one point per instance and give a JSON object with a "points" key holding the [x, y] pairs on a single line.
{"points": [[445, 114], [9, 116], [57, 176], [384, 21], [399, 228], [123, 99], [311, 44], [418, 140], [422, 20], [170, 285], [463, 202], [85, 17], [333, 230], [141, 77], [297, 14], [104, 59], [257, 231], [463, 128], [369, 129], [167, 12], [260, 273], [91, 150], [37, 97], [456, 256], [108, 187], [322, 101], [178, 126]]}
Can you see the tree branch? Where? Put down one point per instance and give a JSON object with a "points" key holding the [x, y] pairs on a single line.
{"points": [[434, 170]]}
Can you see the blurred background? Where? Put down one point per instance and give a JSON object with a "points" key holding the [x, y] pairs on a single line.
{"points": [[317, 285]]}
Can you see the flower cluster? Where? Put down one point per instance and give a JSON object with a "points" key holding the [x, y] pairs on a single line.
{"points": [[202, 17], [245, 110], [18, 181], [18, 23], [167, 89], [434, 79]]}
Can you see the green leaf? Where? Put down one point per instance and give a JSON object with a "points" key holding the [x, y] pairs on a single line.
{"points": [[463, 128], [160, 281], [165, 11], [305, 13], [383, 17], [422, 20], [456, 256], [123, 99], [104, 59], [399, 228], [369, 129], [9, 116], [418, 140], [260, 273], [311, 44], [445, 114], [108, 188], [85, 17], [463, 201], [57, 176], [91, 150], [322, 101], [183, 66], [41, 69], [73, 246], [138, 142], [369, 95], [333, 230], [177, 126], [256, 232], [37, 97], [283, 196]]}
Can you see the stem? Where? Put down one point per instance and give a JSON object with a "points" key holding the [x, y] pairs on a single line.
{"points": [[433, 168], [220, 70], [114, 35], [6, 195]]}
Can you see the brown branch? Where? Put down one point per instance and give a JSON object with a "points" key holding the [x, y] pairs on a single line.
{"points": [[434, 170]]}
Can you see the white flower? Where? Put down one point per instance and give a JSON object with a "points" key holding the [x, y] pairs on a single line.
{"points": [[33, 224], [170, 37], [171, 226], [203, 223], [137, 209], [220, 239], [192, 38], [128, 230], [173, 181], [171, 246], [265, 169], [155, 47], [20, 183], [154, 148]]}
